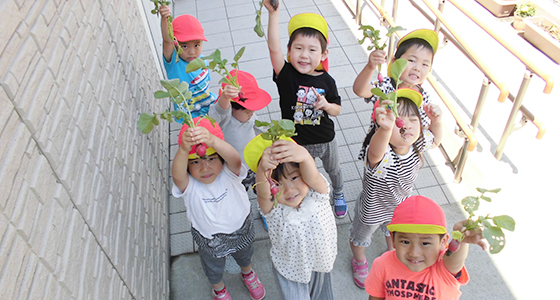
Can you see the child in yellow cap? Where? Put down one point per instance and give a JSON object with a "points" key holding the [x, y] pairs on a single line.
{"points": [[417, 268], [302, 227], [308, 94], [209, 181], [391, 166], [419, 48], [189, 33]]}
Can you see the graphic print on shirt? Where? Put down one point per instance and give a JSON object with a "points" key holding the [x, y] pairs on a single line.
{"points": [[216, 199], [304, 111], [409, 289]]}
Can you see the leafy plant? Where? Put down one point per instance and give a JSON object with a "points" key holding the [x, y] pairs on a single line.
{"points": [[155, 11], [275, 130], [178, 92], [217, 65], [258, 27], [396, 70], [374, 36], [527, 9], [492, 225]]}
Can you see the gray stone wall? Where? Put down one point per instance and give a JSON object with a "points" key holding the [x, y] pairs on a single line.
{"points": [[83, 194]]}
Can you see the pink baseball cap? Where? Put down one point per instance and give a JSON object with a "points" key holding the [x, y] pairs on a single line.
{"points": [[188, 28], [252, 97], [418, 214], [212, 128]]}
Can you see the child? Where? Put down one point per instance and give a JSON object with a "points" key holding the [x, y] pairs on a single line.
{"points": [[217, 204], [189, 33], [302, 227], [391, 166], [417, 269], [419, 48], [236, 115], [304, 84]]}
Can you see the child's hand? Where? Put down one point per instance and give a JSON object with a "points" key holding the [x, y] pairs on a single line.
{"points": [[377, 57], [200, 135], [271, 5], [230, 91], [384, 116], [267, 162], [433, 111], [187, 142], [285, 151], [321, 102], [165, 11], [471, 236]]}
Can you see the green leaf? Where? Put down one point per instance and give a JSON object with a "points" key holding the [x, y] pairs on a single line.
{"points": [[178, 114], [183, 87], [195, 64], [225, 80], [481, 190], [506, 222], [166, 116], [394, 29], [146, 122], [239, 54], [457, 235], [495, 237], [470, 204], [212, 65], [287, 125], [486, 223], [258, 30], [488, 199], [398, 67], [495, 191], [174, 92], [166, 84], [261, 123], [379, 93], [161, 94], [266, 136]]}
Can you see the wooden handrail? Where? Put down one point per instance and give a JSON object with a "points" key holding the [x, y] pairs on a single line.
{"points": [[508, 45], [504, 92], [438, 88]]}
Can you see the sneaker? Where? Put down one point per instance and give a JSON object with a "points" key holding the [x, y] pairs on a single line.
{"points": [[360, 269], [221, 295], [254, 285], [264, 222], [340, 207]]}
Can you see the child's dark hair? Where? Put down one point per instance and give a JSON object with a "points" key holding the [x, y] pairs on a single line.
{"points": [[219, 156], [282, 170], [420, 43], [237, 106], [406, 108], [441, 235], [306, 31]]}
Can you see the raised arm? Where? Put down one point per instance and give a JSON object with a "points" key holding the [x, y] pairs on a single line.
{"points": [[168, 46], [378, 144], [264, 196], [434, 112], [276, 55], [229, 92], [223, 148], [362, 84], [455, 262], [181, 161]]}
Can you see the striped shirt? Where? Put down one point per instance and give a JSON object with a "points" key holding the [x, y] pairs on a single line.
{"points": [[390, 182]]}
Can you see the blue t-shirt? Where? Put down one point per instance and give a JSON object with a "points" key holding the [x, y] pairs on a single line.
{"points": [[198, 81]]}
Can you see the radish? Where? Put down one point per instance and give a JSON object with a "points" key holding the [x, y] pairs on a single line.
{"points": [[379, 77], [454, 245], [274, 4], [273, 187], [201, 150], [399, 122]]}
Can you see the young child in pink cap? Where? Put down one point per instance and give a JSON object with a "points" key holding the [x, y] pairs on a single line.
{"points": [[308, 93], [217, 204], [419, 48], [189, 33], [418, 268], [235, 111]]}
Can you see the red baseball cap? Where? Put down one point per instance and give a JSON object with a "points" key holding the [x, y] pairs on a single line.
{"points": [[418, 214], [252, 97], [188, 28], [212, 128]]}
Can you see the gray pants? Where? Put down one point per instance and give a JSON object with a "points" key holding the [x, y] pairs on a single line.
{"points": [[318, 288], [328, 153], [214, 267]]}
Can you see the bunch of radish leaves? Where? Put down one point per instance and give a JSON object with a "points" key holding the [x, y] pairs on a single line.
{"points": [[155, 11], [396, 70], [258, 27], [217, 65], [493, 226], [374, 36]]}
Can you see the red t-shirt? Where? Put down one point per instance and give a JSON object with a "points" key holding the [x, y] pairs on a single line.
{"points": [[391, 279]]}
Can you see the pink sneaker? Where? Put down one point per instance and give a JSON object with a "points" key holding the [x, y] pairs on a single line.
{"points": [[221, 295], [254, 285], [360, 269]]}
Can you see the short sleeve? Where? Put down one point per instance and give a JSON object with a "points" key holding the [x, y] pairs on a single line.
{"points": [[374, 281]]}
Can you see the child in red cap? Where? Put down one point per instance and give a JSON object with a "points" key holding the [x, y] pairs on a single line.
{"points": [[189, 33], [419, 48], [217, 204], [235, 112], [417, 268], [308, 93]]}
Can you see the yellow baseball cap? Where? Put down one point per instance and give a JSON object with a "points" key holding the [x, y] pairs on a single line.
{"points": [[254, 150], [411, 94], [311, 20], [430, 36]]}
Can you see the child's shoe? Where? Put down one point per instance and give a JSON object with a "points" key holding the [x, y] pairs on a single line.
{"points": [[221, 295], [360, 269], [254, 285], [264, 221], [340, 207]]}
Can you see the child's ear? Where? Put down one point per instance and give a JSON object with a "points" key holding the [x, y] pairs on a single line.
{"points": [[444, 242], [325, 55]]}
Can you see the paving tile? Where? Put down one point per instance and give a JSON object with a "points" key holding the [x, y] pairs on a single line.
{"points": [[217, 13], [347, 121], [435, 193], [354, 135], [425, 178], [181, 243], [242, 9], [215, 26], [178, 223], [176, 205]]}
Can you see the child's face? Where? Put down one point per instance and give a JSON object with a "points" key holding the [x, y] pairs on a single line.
{"points": [[242, 115], [418, 251], [191, 50], [412, 128], [206, 170], [418, 67], [292, 187], [305, 54]]}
